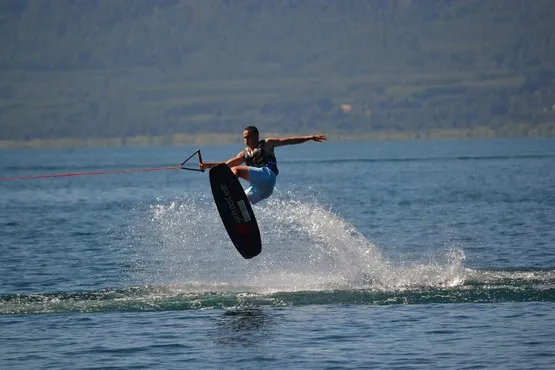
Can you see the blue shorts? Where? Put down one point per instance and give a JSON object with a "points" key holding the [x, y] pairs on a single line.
{"points": [[262, 181]]}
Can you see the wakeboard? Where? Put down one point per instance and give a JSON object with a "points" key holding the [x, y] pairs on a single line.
{"points": [[235, 211]]}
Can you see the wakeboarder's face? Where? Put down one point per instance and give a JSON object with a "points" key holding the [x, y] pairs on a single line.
{"points": [[250, 139]]}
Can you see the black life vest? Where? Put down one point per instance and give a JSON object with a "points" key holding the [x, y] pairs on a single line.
{"points": [[260, 158]]}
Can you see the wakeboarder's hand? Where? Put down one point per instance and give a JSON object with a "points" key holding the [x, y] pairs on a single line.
{"points": [[319, 137]]}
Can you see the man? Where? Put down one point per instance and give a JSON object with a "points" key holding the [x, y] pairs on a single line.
{"points": [[261, 164]]}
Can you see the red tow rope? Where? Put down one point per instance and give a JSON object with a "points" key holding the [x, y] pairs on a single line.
{"points": [[178, 167]]}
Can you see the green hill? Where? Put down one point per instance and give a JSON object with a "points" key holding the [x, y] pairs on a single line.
{"points": [[157, 68]]}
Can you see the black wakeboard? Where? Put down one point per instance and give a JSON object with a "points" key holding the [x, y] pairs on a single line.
{"points": [[235, 211]]}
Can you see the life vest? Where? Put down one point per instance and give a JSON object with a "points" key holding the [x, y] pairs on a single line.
{"points": [[260, 158]]}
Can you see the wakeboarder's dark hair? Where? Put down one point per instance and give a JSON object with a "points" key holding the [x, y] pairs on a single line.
{"points": [[251, 130]]}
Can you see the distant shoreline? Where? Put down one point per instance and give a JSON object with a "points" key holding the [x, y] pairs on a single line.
{"points": [[509, 131]]}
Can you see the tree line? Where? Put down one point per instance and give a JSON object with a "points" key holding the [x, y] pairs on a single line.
{"points": [[78, 68]]}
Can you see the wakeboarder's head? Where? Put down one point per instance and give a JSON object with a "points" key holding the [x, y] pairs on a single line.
{"points": [[251, 136]]}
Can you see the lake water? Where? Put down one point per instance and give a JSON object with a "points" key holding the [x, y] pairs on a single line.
{"points": [[401, 254]]}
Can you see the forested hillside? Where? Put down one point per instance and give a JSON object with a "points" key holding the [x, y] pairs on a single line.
{"points": [[119, 68]]}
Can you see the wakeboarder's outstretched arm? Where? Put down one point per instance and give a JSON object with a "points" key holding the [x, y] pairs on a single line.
{"points": [[281, 141]]}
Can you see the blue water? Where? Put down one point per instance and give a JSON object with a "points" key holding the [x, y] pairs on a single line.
{"points": [[407, 254]]}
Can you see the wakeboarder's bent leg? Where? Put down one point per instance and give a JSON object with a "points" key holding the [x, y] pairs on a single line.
{"points": [[241, 171]]}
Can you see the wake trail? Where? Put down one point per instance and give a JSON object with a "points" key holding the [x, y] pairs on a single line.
{"points": [[305, 247]]}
